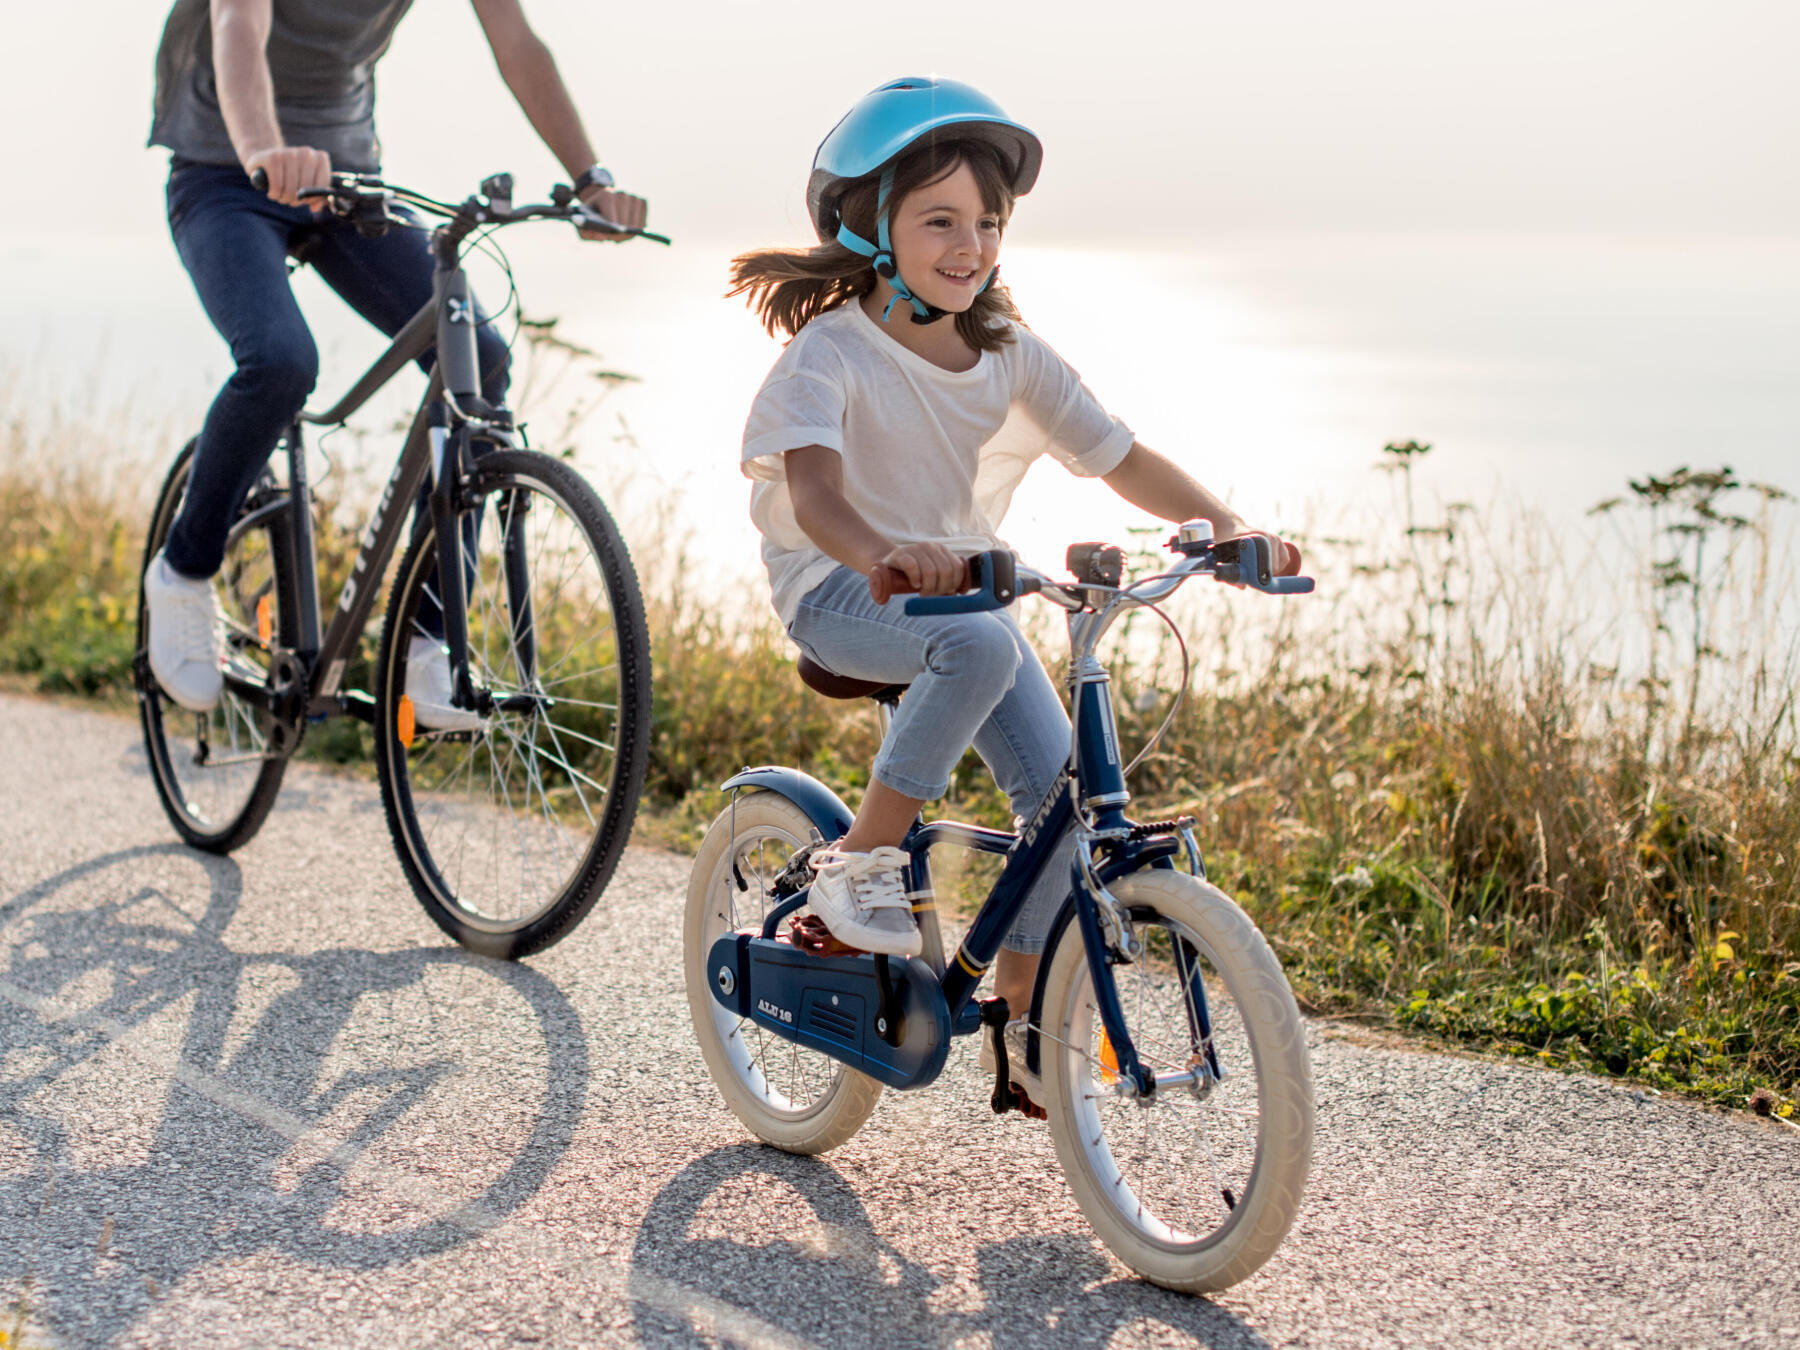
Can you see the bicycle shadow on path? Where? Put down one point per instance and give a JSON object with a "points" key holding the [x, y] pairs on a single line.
{"points": [[167, 1102], [819, 1270]]}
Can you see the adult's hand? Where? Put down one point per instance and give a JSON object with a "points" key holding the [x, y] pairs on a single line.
{"points": [[290, 169], [625, 210]]}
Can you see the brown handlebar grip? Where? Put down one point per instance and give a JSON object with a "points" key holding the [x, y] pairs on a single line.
{"points": [[886, 582]]}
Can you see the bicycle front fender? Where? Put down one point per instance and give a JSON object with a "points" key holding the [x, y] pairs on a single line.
{"points": [[822, 806]]}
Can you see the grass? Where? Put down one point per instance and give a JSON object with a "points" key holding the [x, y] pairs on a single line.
{"points": [[1463, 798]]}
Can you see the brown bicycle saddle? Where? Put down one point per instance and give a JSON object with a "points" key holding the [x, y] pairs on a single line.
{"points": [[832, 685]]}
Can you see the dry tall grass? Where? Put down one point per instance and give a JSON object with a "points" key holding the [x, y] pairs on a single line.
{"points": [[1466, 787]]}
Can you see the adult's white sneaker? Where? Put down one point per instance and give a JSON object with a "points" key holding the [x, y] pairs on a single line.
{"points": [[431, 687], [862, 899], [185, 623]]}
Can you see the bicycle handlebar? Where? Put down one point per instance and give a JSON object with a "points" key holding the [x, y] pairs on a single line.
{"points": [[364, 199], [996, 579]]}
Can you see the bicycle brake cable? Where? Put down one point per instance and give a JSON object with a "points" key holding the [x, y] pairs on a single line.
{"points": [[1180, 692]]}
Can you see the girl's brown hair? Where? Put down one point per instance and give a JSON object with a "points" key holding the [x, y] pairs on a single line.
{"points": [[790, 287]]}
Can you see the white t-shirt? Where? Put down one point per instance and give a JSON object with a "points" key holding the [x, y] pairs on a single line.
{"points": [[929, 454]]}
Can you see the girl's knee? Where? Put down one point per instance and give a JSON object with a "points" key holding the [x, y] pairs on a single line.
{"points": [[978, 648]]}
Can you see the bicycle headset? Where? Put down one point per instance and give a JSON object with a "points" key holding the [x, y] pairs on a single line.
{"points": [[883, 125]]}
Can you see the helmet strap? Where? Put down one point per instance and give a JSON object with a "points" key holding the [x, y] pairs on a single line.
{"points": [[881, 257]]}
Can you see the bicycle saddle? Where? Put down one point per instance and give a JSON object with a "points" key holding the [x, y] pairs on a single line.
{"points": [[823, 681]]}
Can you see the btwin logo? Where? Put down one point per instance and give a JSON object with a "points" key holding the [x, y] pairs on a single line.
{"points": [[1029, 835], [768, 1009], [459, 310]]}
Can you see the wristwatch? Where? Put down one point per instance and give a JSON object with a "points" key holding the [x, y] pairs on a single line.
{"points": [[594, 176]]}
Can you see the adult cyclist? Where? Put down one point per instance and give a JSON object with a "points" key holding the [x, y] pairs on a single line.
{"points": [[287, 86]]}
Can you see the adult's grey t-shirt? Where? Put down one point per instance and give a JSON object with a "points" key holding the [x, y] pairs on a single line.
{"points": [[322, 56]]}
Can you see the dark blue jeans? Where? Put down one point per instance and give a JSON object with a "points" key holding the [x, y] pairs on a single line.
{"points": [[234, 243]]}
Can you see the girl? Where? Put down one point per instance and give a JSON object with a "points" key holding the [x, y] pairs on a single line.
{"points": [[891, 433]]}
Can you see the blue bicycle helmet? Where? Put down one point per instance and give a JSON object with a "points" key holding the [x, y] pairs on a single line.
{"points": [[883, 125]]}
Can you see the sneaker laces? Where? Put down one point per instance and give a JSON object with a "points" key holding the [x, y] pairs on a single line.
{"points": [[875, 879]]}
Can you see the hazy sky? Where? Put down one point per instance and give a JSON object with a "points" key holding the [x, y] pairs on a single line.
{"points": [[1162, 121], [1558, 238]]}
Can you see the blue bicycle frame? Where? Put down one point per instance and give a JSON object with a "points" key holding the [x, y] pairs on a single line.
{"points": [[913, 1006]]}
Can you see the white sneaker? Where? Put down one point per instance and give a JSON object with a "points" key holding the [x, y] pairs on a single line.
{"points": [[862, 899], [430, 686], [185, 622], [1014, 1036]]}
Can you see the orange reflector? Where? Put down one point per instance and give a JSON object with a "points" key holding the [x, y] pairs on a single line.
{"points": [[1109, 1062], [404, 725], [265, 621]]}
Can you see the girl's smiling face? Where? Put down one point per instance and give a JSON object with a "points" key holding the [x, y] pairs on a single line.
{"points": [[946, 241]]}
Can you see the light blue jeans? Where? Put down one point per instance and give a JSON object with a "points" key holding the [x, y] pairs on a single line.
{"points": [[974, 681]]}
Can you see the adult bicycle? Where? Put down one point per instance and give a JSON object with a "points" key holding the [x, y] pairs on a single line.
{"points": [[1170, 1050], [509, 826]]}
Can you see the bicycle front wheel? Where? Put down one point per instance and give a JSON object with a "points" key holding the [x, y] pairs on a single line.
{"points": [[1195, 1185], [218, 773], [509, 832]]}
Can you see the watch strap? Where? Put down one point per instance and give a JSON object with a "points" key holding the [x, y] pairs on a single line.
{"points": [[594, 176]]}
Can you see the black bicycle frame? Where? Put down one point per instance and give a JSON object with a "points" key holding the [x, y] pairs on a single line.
{"points": [[437, 446]]}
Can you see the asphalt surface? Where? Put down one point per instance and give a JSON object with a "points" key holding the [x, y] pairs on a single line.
{"points": [[258, 1101]]}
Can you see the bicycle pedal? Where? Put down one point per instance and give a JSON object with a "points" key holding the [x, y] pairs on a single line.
{"points": [[809, 933], [1024, 1105]]}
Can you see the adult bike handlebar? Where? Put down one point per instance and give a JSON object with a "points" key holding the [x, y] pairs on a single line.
{"points": [[366, 201]]}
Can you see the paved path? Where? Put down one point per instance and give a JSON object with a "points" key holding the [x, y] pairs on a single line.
{"points": [[258, 1102]]}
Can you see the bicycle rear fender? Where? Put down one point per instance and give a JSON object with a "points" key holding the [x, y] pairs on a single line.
{"points": [[823, 807]]}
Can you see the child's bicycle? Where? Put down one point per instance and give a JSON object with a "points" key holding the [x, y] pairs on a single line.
{"points": [[509, 828], [1172, 1057]]}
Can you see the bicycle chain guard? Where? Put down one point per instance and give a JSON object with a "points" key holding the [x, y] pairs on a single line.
{"points": [[882, 1015]]}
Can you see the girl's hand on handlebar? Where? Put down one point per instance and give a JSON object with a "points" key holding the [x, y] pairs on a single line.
{"points": [[1287, 557], [289, 169], [929, 569], [624, 209]]}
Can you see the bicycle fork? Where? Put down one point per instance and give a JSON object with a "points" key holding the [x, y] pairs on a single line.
{"points": [[449, 454]]}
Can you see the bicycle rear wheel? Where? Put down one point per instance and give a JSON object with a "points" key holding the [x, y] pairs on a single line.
{"points": [[793, 1098], [1194, 1186], [218, 773], [510, 832]]}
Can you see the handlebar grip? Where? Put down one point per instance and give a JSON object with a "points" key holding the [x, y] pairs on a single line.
{"points": [[994, 576], [1291, 586], [886, 582], [259, 179]]}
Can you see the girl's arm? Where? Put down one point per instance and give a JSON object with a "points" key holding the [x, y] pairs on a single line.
{"points": [[1153, 483], [815, 478]]}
